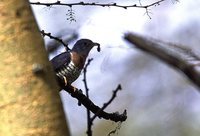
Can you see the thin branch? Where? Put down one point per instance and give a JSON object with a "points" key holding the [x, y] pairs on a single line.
{"points": [[55, 38], [54, 44], [179, 57], [84, 76], [89, 123], [148, 13], [59, 3], [76, 93], [89, 119], [105, 105]]}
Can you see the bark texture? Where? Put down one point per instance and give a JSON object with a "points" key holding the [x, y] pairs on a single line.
{"points": [[29, 100]]}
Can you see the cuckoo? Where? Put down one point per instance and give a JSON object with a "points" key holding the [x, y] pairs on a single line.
{"points": [[68, 65]]}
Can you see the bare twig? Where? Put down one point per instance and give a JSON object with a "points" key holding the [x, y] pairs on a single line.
{"points": [[55, 38], [59, 3], [181, 58], [84, 76], [89, 123], [108, 103], [71, 18], [89, 119], [76, 93], [54, 44]]}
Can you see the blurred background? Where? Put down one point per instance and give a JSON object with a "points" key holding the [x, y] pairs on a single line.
{"points": [[160, 101]]}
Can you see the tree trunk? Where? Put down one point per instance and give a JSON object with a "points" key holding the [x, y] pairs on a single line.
{"points": [[29, 100]]}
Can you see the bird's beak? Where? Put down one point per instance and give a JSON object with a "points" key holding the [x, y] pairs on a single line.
{"points": [[98, 46]]}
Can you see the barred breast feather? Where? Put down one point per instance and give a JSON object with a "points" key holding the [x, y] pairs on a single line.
{"points": [[65, 68], [70, 72]]}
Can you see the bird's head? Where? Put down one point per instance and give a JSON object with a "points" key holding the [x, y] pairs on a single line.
{"points": [[84, 46]]}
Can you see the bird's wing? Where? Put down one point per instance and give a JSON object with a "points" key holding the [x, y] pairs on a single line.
{"points": [[60, 60]]}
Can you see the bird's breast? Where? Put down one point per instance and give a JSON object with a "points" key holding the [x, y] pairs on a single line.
{"points": [[72, 69], [78, 59], [69, 71]]}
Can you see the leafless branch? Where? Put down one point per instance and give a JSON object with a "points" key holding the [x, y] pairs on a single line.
{"points": [[89, 123], [84, 76], [76, 93], [55, 38], [54, 44], [179, 57], [59, 3], [89, 119], [105, 105]]}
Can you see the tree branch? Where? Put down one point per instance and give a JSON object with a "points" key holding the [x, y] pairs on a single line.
{"points": [[179, 57], [55, 38], [59, 3], [84, 76], [105, 105], [76, 93], [89, 123], [54, 44]]}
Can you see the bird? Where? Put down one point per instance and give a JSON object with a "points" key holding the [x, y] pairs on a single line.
{"points": [[69, 64]]}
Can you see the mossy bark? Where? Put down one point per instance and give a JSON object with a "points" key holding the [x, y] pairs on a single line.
{"points": [[29, 102]]}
